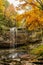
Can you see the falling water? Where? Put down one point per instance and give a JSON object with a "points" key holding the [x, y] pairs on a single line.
{"points": [[12, 36]]}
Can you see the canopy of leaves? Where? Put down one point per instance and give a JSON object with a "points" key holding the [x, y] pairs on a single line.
{"points": [[6, 16], [32, 15]]}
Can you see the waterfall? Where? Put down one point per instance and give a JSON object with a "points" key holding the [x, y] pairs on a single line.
{"points": [[12, 36]]}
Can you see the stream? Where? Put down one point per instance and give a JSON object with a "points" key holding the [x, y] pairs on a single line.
{"points": [[14, 57]]}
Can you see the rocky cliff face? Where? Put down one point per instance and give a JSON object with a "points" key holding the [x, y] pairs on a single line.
{"points": [[22, 36]]}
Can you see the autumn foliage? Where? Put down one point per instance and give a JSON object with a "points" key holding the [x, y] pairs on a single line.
{"points": [[34, 17]]}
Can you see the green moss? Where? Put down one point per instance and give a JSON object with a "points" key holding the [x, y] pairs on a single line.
{"points": [[38, 50]]}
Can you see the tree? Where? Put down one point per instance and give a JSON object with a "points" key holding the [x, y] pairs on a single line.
{"points": [[2, 16], [31, 15]]}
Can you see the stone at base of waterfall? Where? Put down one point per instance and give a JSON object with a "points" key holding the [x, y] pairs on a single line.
{"points": [[26, 63], [1, 38], [13, 63], [16, 59], [0, 64]]}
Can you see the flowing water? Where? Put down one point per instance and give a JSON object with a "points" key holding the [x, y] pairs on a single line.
{"points": [[12, 35], [14, 56]]}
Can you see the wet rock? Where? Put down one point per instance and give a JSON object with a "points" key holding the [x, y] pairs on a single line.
{"points": [[1, 39], [15, 55], [26, 63]]}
